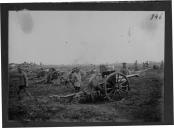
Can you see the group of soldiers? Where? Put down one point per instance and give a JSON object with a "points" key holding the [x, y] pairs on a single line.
{"points": [[18, 80], [74, 77]]}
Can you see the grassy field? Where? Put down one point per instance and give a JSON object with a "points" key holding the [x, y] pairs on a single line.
{"points": [[144, 103]]}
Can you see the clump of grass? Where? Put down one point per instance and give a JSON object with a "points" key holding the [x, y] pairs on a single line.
{"points": [[82, 114], [28, 111]]}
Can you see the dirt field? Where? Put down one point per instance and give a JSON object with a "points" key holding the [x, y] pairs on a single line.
{"points": [[143, 103]]}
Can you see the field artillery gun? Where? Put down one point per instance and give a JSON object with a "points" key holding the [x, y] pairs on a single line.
{"points": [[113, 86], [48, 75], [110, 84]]}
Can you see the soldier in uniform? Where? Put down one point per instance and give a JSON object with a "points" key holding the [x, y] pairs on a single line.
{"points": [[76, 78], [19, 81], [50, 75], [124, 69], [23, 82]]}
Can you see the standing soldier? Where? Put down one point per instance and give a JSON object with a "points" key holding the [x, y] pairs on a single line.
{"points": [[19, 82], [162, 65], [124, 69], [136, 65], [76, 78]]}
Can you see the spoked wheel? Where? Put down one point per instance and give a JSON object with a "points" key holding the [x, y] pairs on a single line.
{"points": [[116, 86]]}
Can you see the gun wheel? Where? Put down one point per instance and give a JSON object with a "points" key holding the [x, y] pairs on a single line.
{"points": [[116, 86]]}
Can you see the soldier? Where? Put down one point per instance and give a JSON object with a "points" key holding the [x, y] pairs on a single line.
{"points": [[145, 64], [124, 69], [19, 80], [162, 65], [24, 82], [50, 75], [136, 65], [41, 73], [76, 79]]}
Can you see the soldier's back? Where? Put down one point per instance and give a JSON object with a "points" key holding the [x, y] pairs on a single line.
{"points": [[16, 79]]}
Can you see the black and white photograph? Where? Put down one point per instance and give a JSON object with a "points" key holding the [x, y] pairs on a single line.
{"points": [[86, 66]]}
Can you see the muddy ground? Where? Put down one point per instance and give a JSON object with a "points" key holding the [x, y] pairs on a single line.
{"points": [[144, 103]]}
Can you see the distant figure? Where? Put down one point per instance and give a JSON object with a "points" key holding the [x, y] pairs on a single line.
{"points": [[136, 65], [162, 65], [145, 65], [76, 79]]}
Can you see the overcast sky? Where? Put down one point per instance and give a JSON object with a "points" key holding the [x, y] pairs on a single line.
{"points": [[85, 37]]}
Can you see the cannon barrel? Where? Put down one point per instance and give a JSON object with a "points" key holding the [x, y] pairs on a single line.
{"points": [[138, 73], [132, 75]]}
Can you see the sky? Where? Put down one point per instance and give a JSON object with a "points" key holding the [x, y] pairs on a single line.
{"points": [[86, 37]]}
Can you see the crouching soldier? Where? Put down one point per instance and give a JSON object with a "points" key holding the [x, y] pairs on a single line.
{"points": [[76, 79], [51, 75]]}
